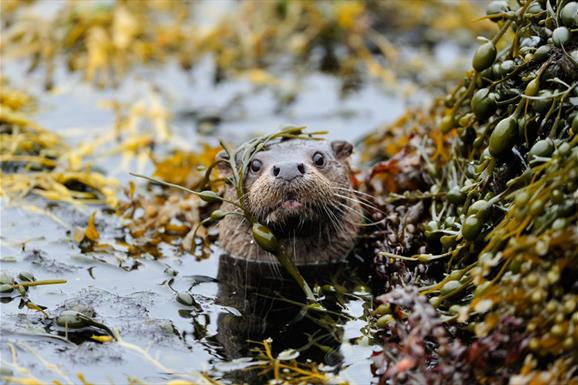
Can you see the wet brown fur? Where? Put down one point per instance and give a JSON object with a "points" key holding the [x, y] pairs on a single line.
{"points": [[322, 230]]}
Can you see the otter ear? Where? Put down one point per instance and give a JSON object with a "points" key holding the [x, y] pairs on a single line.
{"points": [[223, 166], [342, 149]]}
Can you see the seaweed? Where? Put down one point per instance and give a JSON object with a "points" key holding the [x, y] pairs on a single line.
{"points": [[497, 250], [37, 161]]}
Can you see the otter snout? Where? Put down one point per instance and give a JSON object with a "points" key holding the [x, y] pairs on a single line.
{"points": [[288, 170]]}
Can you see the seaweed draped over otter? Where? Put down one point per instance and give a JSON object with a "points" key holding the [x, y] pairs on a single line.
{"points": [[301, 190]]}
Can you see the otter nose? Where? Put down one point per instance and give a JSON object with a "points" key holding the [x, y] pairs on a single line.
{"points": [[289, 170]]}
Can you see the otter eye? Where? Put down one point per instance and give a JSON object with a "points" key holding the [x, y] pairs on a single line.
{"points": [[319, 159], [256, 165]]}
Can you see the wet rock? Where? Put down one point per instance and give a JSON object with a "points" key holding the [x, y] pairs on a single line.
{"points": [[127, 314], [106, 304]]}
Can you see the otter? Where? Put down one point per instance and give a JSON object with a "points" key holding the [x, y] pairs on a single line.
{"points": [[301, 190]]}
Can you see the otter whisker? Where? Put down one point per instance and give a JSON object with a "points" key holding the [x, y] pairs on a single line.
{"points": [[363, 216], [352, 190], [368, 220], [241, 223], [243, 199], [275, 270], [361, 200], [341, 207], [355, 191], [339, 220], [352, 209], [334, 221], [355, 200], [340, 224], [327, 213]]}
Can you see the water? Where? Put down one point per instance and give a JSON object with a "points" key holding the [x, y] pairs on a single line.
{"points": [[142, 309]]}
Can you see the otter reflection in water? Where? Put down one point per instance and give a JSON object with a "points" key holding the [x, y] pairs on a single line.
{"points": [[272, 306]]}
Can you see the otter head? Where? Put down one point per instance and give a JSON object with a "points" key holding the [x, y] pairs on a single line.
{"points": [[299, 186]]}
